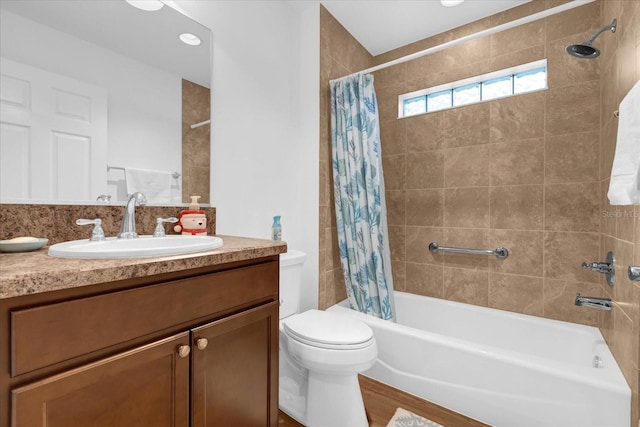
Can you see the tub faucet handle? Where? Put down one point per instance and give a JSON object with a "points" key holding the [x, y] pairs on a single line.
{"points": [[97, 234], [599, 267], [607, 268]]}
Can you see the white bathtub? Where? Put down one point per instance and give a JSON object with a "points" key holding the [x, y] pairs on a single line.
{"points": [[501, 368]]}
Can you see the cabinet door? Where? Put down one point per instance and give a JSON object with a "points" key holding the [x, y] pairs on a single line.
{"points": [[235, 371], [146, 386]]}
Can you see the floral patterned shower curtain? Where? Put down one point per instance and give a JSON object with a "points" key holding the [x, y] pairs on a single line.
{"points": [[359, 196]]}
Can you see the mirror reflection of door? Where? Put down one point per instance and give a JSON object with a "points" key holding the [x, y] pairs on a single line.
{"points": [[53, 140], [141, 63]]}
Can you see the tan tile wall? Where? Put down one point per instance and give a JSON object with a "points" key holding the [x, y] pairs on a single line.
{"points": [[529, 172], [196, 148], [340, 55], [520, 172], [620, 231], [487, 182]]}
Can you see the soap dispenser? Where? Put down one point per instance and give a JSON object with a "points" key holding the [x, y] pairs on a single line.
{"points": [[192, 221], [276, 229]]}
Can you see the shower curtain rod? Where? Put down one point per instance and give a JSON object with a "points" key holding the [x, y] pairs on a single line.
{"points": [[488, 31]]}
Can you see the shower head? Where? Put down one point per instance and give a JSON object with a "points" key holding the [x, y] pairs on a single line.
{"points": [[585, 50]]}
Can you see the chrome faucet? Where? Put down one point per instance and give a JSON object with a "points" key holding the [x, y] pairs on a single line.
{"points": [[128, 227], [598, 267], [593, 302], [607, 268]]}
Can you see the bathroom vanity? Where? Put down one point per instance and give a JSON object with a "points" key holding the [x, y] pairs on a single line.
{"points": [[170, 341]]}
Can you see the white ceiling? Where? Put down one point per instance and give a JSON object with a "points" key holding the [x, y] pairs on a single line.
{"points": [[379, 25], [383, 25]]}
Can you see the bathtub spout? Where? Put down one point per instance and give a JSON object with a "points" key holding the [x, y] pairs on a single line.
{"points": [[593, 302]]}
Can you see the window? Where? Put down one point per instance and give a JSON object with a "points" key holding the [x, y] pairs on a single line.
{"points": [[528, 81], [497, 88], [439, 100], [417, 105], [509, 82], [467, 94]]}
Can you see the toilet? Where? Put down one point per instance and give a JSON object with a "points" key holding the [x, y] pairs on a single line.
{"points": [[321, 354]]}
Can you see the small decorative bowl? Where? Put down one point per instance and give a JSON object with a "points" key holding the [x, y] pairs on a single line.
{"points": [[13, 246]]}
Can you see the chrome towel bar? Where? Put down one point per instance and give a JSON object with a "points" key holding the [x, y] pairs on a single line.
{"points": [[175, 175], [499, 252]]}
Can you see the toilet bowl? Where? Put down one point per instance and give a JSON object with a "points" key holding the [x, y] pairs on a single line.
{"points": [[321, 355]]}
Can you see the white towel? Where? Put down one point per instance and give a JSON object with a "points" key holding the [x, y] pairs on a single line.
{"points": [[624, 187], [155, 185]]}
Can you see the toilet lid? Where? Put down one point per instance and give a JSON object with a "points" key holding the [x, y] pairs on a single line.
{"points": [[328, 330]]}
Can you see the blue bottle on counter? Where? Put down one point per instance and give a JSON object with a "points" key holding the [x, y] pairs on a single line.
{"points": [[276, 229]]}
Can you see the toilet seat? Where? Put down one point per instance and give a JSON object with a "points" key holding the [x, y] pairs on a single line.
{"points": [[329, 331]]}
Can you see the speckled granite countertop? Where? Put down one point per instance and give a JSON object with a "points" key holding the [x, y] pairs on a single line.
{"points": [[35, 272]]}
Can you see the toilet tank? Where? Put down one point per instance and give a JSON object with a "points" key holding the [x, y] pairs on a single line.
{"points": [[291, 264]]}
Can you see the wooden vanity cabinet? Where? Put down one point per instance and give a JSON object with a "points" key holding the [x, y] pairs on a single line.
{"points": [[146, 386], [231, 381], [194, 348]]}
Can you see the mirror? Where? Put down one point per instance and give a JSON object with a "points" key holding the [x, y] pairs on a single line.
{"points": [[135, 92]]}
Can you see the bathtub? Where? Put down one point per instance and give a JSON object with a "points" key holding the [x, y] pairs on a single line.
{"points": [[501, 368]]}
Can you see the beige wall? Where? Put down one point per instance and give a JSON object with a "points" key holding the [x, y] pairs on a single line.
{"points": [[528, 172]]}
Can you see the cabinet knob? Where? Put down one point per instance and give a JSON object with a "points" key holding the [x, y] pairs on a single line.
{"points": [[184, 350], [202, 343]]}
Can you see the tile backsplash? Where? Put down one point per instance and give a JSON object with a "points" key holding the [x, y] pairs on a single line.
{"points": [[57, 222]]}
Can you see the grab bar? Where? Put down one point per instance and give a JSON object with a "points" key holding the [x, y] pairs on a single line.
{"points": [[499, 252]]}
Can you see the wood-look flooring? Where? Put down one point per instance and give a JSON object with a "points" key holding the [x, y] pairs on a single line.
{"points": [[381, 402]]}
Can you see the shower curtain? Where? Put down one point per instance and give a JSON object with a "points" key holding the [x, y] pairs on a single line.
{"points": [[359, 196]]}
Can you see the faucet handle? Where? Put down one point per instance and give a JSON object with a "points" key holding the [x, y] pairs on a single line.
{"points": [[599, 267], [97, 234], [607, 268], [104, 199], [159, 231]]}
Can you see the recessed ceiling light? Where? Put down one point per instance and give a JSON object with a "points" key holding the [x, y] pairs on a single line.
{"points": [[449, 3], [190, 39], [148, 5]]}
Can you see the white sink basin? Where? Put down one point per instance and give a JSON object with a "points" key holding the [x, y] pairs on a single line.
{"points": [[143, 246]]}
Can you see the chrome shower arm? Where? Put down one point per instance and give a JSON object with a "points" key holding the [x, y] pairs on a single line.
{"points": [[611, 27]]}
